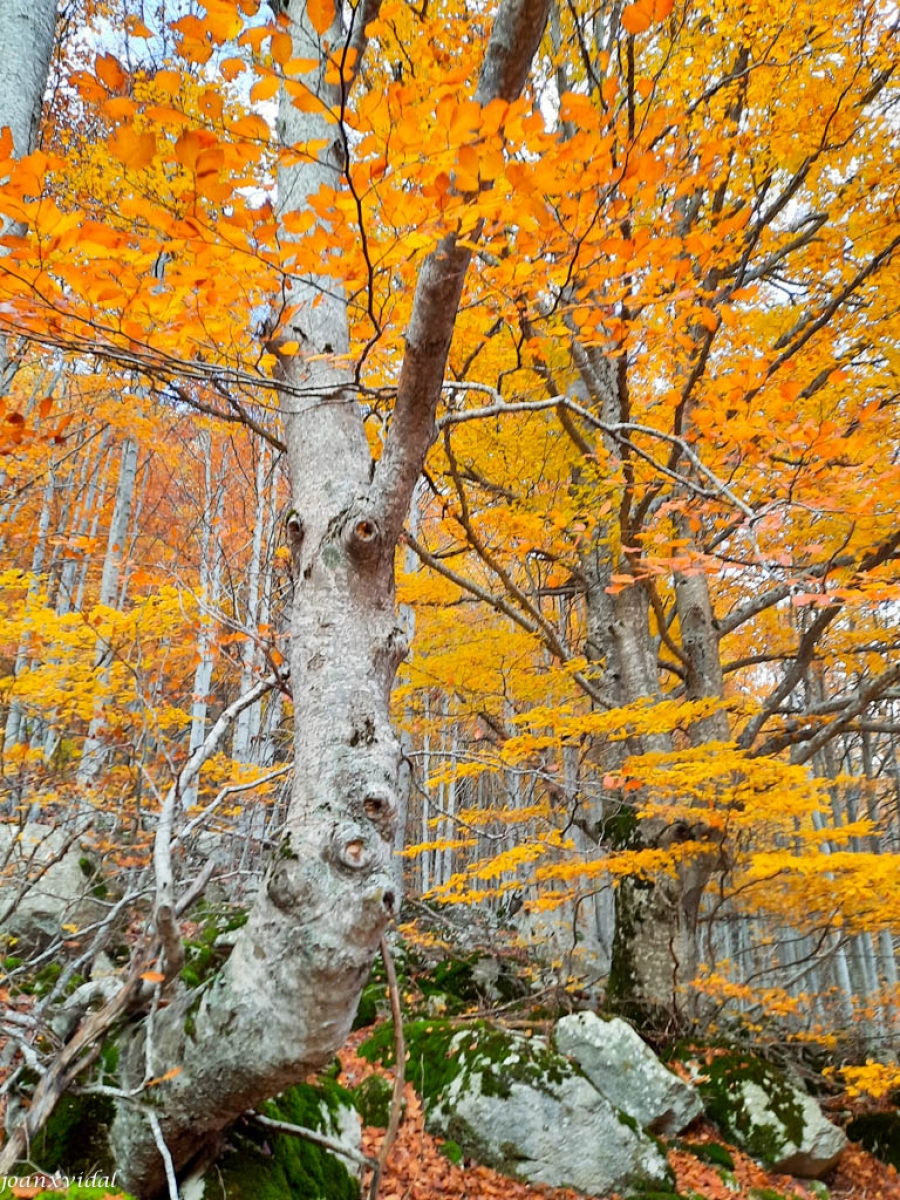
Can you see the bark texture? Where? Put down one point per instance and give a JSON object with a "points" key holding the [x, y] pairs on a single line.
{"points": [[27, 29], [286, 999]]}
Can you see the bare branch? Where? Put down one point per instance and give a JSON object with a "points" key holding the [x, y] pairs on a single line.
{"points": [[311, 1135]]}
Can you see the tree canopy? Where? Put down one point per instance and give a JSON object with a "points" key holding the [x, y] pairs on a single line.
{"points": [[581, 321]]}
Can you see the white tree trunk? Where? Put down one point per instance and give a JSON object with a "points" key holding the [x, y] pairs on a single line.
{"points": [[26, 45], [210, 587], [285, 1000], [248, 722], [92, 756]]}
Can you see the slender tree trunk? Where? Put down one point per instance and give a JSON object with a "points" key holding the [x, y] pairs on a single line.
{"points": [[248, 722], [93, 754], [210, 586], [27, 29]]}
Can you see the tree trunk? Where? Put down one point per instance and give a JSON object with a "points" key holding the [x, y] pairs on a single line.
{"points": [[286, 998], [27, 29], [94, 753]]}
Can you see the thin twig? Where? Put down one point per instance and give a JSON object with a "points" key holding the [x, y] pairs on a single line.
{"points": [[311, 1135], [153, 1122], [399, 1071]]}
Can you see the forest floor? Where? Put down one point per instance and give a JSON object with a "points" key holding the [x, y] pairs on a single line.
{"points": [[418, 1170]]}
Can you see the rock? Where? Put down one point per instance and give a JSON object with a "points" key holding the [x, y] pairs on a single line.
{"points": [[514, 1104], [48, 883], [768, 1116], [625, 1070]]}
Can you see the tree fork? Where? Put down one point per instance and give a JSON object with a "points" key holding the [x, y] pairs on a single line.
{"points": [[292, 983]]}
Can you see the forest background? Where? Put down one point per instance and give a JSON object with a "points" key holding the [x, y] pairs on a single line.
{"points": [[649, 571]]}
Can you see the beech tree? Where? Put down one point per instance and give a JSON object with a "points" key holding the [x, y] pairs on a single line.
{"points": [[287, 996], [619, 285]]}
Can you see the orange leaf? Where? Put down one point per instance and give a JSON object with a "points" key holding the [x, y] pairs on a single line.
{"points": [[321, 14], [231, 68], [282, 48], [137, 28], [109, 72], [169, 81], [265, 88], [635, 18], [133, 148], [170, 1074]]}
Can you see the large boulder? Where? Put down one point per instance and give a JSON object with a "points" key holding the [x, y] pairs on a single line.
{"points": [[49, 886], [514, 1104], [761, 1110], [625, 1070]]}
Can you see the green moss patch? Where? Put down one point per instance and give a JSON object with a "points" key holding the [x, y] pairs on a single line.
{"points": [[721, 1087], [202, 957], [74, 1192], [713, 1153], [263, 1165], [75, 1141], [438, 1052], [372, 1099]]}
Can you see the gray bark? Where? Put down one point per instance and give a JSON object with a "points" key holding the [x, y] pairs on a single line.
{"points": [[285, 1000], [26, 45], [93, 754]]}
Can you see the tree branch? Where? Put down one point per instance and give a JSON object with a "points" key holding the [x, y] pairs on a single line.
{"points": [[514, 40]]}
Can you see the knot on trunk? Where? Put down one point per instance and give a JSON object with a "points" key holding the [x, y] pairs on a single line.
{"points": [[362, 536], [381, 808], [352, 848]]}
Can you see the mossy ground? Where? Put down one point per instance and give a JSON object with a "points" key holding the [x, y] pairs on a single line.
{"points": [[263, 1165], [75, 1141], [373, 1101], [74, 1192]]}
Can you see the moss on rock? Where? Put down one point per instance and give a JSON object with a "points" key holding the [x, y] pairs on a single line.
{"points": [[723, 1087], [263, 1165], [440, 1051]]}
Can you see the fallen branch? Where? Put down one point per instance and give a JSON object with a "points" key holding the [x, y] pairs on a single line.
{"points": [[311, 1135]]}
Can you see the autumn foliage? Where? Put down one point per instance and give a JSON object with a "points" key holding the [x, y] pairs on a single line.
{"points": [[673, 384]]}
